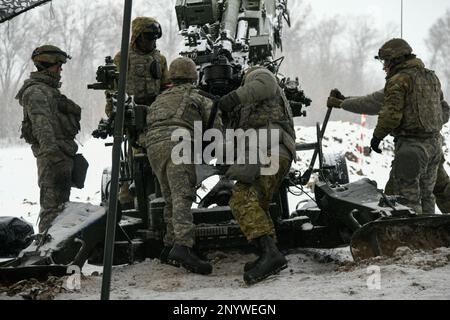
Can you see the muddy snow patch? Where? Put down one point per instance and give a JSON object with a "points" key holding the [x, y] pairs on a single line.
{"points": [[406, 257]]}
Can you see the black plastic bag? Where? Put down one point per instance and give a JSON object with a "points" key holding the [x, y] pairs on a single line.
{"points": [[14, 236]]}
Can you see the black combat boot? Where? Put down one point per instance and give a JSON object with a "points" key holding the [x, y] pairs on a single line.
{"points": [[251, 264], [187, 258], [270, 262], [163, 257]]}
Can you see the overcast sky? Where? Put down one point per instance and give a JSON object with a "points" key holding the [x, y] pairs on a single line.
{"points": [[419, 15]]}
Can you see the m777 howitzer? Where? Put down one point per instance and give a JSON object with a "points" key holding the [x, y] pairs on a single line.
{"points": [[224, 38]]}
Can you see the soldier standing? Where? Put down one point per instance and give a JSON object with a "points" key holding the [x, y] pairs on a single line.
{"points": [[147, 74], [50, 124], [260, 104], [371, 105], [175, 108], [412, 113], [147, 69]]}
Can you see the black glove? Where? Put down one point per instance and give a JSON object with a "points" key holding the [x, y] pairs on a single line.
{"points": [[335, 93], [333, 102], [228, 102], [375, 144]]}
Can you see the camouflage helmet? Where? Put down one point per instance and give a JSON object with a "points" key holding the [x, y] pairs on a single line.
{"points": [[394, 48], [183, 68], [145, 24], [49, 54]]}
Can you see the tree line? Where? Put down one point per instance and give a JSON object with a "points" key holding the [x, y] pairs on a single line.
{"points": [[325, 53]]}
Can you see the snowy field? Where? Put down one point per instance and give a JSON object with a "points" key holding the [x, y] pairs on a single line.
{"points": [[312, 274]]}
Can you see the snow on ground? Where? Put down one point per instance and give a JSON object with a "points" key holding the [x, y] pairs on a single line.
{"points": [[312, 273], [19, 192]]}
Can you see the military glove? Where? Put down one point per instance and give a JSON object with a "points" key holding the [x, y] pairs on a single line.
{"points": [[335, 93], [333, 102], [375, 144], [228, 102]]}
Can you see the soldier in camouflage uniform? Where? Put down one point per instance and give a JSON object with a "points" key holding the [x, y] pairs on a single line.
{"points": [[175, 108], [260, 104], [147, 69], [51, 122], [371, 105], [412, 113], [147, 74]]}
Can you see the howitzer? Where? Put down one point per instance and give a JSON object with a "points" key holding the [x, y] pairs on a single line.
{"points": [[134, 121], [224, 38]]}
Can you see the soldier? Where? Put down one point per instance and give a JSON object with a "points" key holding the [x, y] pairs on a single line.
{"points": [[260, 104], [177, 107], [412, 113], [147, 74], [371, 105], [147, 69], [50, 124]]}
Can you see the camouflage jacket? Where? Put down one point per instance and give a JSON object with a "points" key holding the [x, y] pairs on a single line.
{"points": [[264, 106], [177, 107], [371, 105], [412, 104], [147, 76], [52, 119]]}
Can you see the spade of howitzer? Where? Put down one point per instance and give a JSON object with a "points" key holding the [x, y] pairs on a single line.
{"points": [[307, 175]]}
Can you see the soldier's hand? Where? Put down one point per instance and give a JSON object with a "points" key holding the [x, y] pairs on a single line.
{"points": [[335, 93], [228, 102], [375, 144], [333, 102]]}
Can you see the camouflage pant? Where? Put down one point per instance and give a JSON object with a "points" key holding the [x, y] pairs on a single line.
{"points": [[441, 188], [414, 173], [55, 181], [178, 189], [250, 203]]}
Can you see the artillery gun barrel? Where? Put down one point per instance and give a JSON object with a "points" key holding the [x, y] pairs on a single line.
{"points": [[231, 16], [242, 33]]}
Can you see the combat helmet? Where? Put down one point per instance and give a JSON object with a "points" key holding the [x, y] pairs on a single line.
{"points": [[183, 68], [145, 25], [248, 73], [394, 49], [49, 55]]}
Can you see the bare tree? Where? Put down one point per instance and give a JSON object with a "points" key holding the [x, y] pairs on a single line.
{"points": [[171, 42], [438, 42], [15, 53], [363, 42], [294, 37], [321, 63], [82, 32]]}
